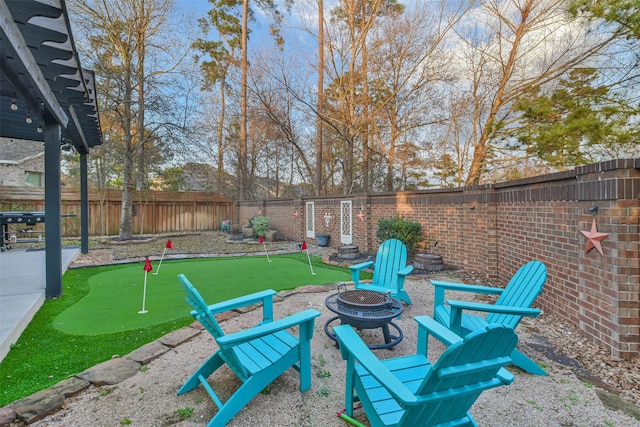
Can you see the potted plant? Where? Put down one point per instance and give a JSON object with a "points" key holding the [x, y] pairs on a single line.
{"points": [[408, 232], [259, 225]]}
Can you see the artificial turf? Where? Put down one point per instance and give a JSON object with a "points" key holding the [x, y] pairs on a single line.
{"points": [[115, 298], [45, 354]]}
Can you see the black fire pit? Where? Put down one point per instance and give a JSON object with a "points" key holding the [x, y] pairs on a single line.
{"points": [[364, 309]]}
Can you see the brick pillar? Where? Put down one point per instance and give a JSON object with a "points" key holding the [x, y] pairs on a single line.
{"points": [[625, 273]]}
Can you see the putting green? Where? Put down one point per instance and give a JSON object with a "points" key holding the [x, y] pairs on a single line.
{"points": [[115, 296]]}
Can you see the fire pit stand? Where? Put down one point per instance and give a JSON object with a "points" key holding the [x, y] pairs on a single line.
{"points": [[364, 309]]}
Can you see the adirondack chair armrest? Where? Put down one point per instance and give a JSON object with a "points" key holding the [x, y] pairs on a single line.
{"points": [[463, 287], [270, 328], [426, 326], [505, 376], [405, 271], [492, 308], [361, 266], [440, 287], [352, 347], [356, 269]]}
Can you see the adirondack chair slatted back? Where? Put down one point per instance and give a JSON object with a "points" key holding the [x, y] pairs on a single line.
{"points": [[257, 355], [521, 291], [390, 258], [389, 270], [208, 320], [460, 375], [203, 315]]}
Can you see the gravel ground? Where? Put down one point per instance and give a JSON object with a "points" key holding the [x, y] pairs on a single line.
{"points": [[578, 370], [106, 250]]}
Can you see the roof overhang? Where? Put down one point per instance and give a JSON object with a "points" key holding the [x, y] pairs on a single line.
{"points": [[42, 75]]}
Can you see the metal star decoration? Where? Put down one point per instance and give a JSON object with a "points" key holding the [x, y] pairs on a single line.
{"points": [[594, 238], [361, 216]]}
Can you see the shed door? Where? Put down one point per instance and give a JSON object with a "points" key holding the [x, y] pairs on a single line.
{"points": [[346, 231], [310, 221]]}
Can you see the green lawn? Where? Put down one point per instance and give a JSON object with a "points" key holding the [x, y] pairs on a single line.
{"points": [[97, 317]]}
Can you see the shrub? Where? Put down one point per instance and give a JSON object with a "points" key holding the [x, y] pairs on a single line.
{"points": [[408, 232], [260, 225]]}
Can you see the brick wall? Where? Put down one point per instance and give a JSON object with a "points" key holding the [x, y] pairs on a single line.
{"points": [[494, 229]]}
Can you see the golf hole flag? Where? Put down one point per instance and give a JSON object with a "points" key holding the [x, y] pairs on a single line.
{"points": [[169, 245], [261, 240], [147, 269], [147, 266], [303, 247]]}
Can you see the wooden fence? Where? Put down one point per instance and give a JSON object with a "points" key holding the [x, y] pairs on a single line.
{"points": [[154, 211]]}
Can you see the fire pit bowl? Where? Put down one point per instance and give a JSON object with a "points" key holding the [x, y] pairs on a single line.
{"points": [[365, 300], [365, 309]]}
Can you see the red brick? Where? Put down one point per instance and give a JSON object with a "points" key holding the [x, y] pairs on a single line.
{"points": [[522, 222]]}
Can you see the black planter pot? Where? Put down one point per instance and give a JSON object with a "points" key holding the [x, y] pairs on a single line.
{"points": [[323, 239]]}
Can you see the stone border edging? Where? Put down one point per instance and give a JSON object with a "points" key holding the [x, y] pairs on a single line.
{"points": [[180, 257]]}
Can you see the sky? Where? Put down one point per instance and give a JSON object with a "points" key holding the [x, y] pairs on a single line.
{"points": [[302, 15], [301, 8], [200, 7]]}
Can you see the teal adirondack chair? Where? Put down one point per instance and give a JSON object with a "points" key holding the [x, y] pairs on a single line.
{"points": [[389, 270], [514, 302], [257, 356], [410, 391]]}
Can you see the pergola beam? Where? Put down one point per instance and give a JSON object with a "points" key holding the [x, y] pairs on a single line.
{"points": [[15, 38]]}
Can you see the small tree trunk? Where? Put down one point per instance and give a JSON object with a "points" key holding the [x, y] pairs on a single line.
{"points": [[319, 148], [242, 149], [126, 223]]}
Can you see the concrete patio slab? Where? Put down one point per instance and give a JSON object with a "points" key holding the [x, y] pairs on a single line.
{"points": [[22, 290]]}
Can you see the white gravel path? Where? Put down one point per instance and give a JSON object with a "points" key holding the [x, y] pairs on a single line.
{"points": [[149, 398]]}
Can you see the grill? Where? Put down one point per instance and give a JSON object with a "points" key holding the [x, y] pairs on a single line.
{"points": [[26, 218], [17, 218], [364, 309]]}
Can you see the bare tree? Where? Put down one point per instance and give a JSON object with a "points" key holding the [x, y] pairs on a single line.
{"points": [[341, 110], [228, 7], [218, 58], [408, 69], [385, 69], [274, 88], [121, 34], [510, 47]]}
